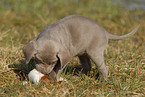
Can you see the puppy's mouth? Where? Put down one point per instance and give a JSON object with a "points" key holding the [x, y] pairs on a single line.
{"points": [[45, 66], [45, 69]]}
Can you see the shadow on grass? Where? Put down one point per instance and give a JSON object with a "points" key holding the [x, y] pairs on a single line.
{"points": [[21, 69], [76, 71]]}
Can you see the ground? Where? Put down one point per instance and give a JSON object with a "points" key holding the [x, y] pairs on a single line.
{"points": [[21, 21]]}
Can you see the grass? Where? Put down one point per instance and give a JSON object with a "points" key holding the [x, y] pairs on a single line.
{"points": [[21, 21]]}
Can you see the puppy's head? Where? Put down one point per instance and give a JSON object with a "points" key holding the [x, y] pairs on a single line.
{"points": [[46, 54]]}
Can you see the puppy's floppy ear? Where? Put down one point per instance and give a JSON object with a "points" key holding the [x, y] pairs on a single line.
{"points": [[64, 56], [29, 51]]}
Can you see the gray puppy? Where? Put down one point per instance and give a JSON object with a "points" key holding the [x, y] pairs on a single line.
{"points": [[72, 36]]}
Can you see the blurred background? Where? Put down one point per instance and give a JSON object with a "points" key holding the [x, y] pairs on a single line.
{"points": [[22, 20]]}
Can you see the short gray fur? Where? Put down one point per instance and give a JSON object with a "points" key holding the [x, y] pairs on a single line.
{"points": [[74, 35]]}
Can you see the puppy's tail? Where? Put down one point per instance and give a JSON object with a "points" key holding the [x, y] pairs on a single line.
{"points": [[116, 37]]}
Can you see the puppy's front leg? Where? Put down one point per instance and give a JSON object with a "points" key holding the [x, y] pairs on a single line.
{"points": [[53, 76], [55, 73]]}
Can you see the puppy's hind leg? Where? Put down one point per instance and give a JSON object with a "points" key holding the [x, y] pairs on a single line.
{"points": [[97, 56], [86, 63]]}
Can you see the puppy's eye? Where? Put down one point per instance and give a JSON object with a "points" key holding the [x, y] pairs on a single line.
{"points": [[37, 60]]}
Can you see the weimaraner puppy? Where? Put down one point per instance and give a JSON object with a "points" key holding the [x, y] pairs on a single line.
{"points": [[74, 35]]}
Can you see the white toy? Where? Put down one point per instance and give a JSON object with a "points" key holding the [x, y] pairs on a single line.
{"points": [[37, 77]]}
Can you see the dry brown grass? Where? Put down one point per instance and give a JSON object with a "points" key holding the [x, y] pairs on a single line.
{"points": [[22, 21]]}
